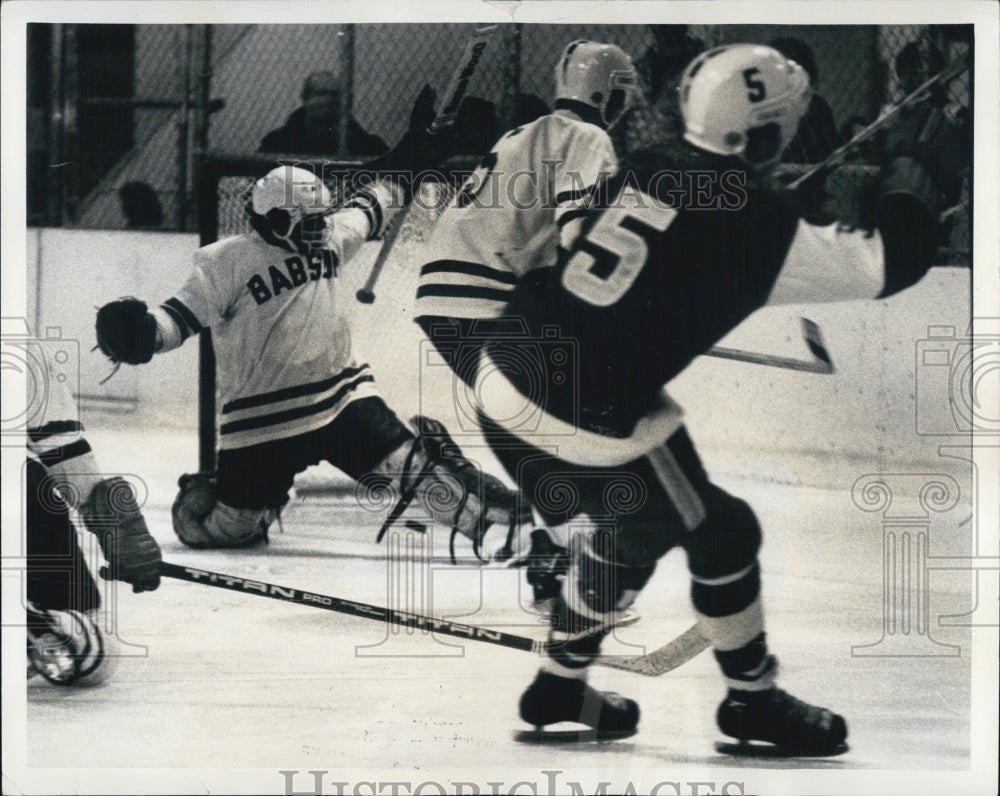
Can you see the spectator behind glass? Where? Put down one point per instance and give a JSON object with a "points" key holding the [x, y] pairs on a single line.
{"points": [[933, 129], [864, 152], [817, 135], [312, 128], [660, 67], [140, 206]]}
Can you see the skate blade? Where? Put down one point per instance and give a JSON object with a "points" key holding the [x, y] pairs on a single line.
{"points": [[761, 749], [543, 737], [627, 617]]}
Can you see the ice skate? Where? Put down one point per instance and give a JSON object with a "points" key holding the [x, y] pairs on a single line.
{"points": [[66, 647], [551, 699], [794, 727]]}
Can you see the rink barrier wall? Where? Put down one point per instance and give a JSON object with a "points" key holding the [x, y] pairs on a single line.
{"points": [[884, 405]]}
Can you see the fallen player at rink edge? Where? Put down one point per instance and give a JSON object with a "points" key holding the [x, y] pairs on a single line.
{"points": [[649, 286]]}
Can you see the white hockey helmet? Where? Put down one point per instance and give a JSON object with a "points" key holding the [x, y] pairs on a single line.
{"points": [[599, 75], [744, 100], [294, 203]]}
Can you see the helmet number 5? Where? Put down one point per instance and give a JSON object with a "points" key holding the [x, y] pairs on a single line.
{"points": [[756, 86], [613, 253]]}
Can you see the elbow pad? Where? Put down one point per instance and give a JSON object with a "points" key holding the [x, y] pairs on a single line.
{"points": [[905, 175], [907, 222]]}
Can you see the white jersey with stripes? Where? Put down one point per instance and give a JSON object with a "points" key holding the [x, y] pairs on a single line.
{"points": [[522, 203], [284, 364]]}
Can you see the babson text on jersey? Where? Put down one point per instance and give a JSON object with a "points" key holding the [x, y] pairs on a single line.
{"points": [[298, 269]]}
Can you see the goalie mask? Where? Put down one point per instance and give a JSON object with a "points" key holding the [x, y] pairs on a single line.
{"points": [[600, 76], [744, 100], [288, 207]]}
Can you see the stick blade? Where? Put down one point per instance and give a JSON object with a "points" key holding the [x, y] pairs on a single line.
{"points": [[365, 296], [814, 339], [665, 659]]}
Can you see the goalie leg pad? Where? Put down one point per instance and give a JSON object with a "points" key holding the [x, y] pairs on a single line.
{"points": [[201, 521], [450, 489]]}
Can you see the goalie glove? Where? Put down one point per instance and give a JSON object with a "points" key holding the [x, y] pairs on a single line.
{"points": [[126, 332], [417, 151]]}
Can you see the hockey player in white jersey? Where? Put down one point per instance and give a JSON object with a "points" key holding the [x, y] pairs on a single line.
{"points": [[523, 200], [653, 281], [514, 213], [67, 639], [290, 389]]}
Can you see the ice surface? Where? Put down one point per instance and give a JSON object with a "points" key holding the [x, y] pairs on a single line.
{"points": [[220, 679]]}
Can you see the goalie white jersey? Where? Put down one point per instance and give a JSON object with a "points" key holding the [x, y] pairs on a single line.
{"points": [[281, 337], [523, 201]]}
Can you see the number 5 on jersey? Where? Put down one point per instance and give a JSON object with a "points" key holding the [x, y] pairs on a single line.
{"points": [[612, 254]]}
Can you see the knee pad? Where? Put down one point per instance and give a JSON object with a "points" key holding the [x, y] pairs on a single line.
{"points": [[597, 588], [725, 576], [201, 521], [727, 541]]}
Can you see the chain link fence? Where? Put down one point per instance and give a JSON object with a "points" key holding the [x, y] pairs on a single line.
{"points": [[138, 103]]}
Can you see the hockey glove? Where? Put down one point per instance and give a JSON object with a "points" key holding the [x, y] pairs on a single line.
{"points": [[126, 332], [112, 514], [418, 150]]}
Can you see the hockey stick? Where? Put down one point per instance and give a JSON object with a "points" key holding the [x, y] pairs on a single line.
{"points": [[366, 295], [668, 657], [452, 98], [820, 363], [915, 97]]}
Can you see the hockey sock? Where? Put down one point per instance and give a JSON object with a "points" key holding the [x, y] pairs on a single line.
{"points": [[578, 648], [748, 669]]}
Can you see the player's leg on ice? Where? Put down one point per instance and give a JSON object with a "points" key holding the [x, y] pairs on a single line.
{"points": [[106, 504], [64, 641], [722, 543], [545, 562], [431, 468], [460, 343], [235, 506], [607, 570], [594, 592]]}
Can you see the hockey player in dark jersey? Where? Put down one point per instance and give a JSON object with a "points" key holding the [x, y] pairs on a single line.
{"points": [[685, 246]]}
